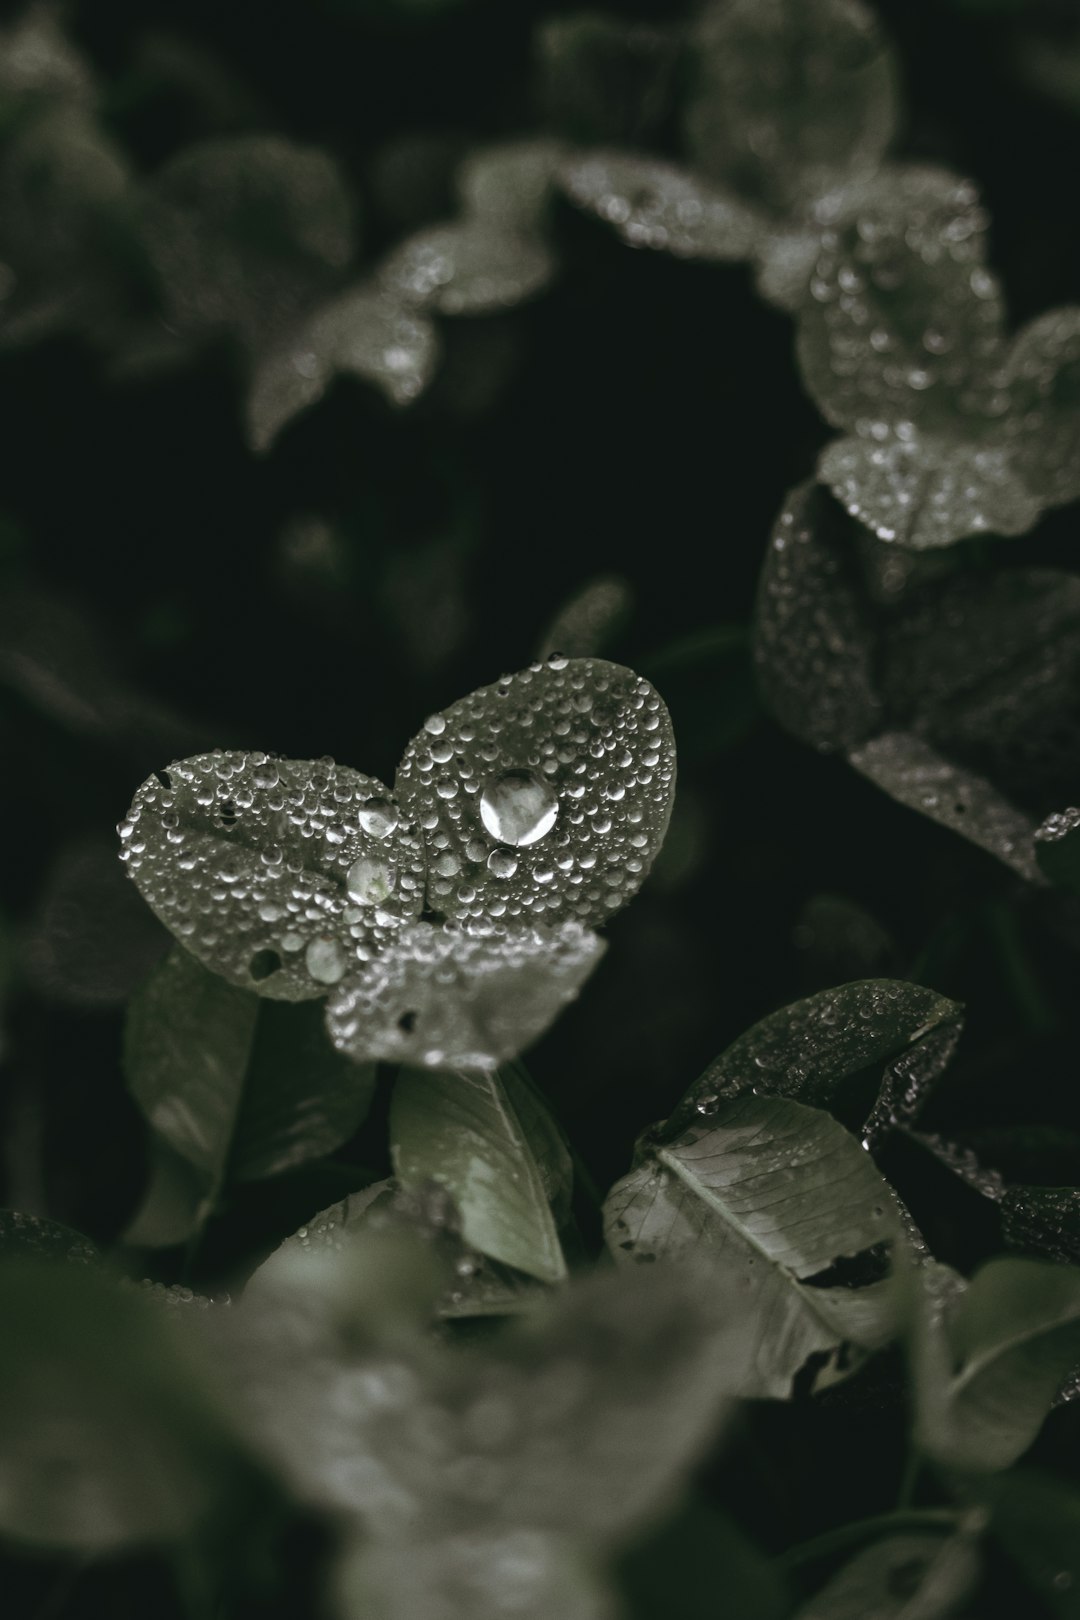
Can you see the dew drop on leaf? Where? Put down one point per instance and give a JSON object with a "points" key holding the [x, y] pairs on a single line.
{"points": [[518, 807]]}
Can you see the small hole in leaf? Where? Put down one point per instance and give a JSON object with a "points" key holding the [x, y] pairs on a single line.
{"points": [[407, 1022], [264, 963], [961, 809], [228, 812], [164, 778]]}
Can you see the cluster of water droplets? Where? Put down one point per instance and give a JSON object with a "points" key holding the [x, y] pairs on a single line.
{"points": [[544, 798], [653, 204], [281, 875]]}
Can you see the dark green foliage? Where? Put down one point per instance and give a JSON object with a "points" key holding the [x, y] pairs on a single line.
{"points": [[353, 357]]}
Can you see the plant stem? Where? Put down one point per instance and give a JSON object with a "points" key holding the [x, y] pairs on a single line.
{"points": [[848, 1535]]}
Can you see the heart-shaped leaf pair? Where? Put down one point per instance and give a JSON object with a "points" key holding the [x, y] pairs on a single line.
{"points": [[953, 429], [790, 109], [523, 816], [958, 699]]}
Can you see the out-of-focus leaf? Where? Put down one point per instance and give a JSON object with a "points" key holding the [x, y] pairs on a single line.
{"points": [[709, 687], [238, 1087], [471, 1133], [479, 1575], [33, 1236], [790, 99], [277, 874], [1057, 849], [814, 647], [444, 999], [108, 1435], [589, 620], [915, 774], [601, 79], [814, 1049], [542, 798], [362, 333], [1036, 1520], [989, 1363], [1043, 378], [510, 185], [839, 940], [38, 63], [173, 1205], [901, 1577], [672, 1573], [246, 231], [658, 205], [777, 1193], [92, 940], [472, 266]]}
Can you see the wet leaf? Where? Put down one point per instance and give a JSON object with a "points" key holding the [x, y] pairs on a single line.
{"points": [[239, 1087], [777, 1193], [814, 638], [812, 1051], [472, 266], [1043, 378], [244, 232], [1035, 1518], [511, 184], [1042, 1220], [915, 774], [988, 1366], [658, 205], [543, 798], [31, 1236], [277, 874], [901, 1577], [471, 1133], [789, 99], [362, 333], [108, 1435], [1057, 849], [448, 1000]]}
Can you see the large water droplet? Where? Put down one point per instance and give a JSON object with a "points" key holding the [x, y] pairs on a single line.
{"points": [[379, 817], [370, 879], [325, 960], [518, 807]]}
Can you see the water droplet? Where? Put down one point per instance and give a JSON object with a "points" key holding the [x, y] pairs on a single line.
{"points": [[518, 807], [325, 960], [370, 879], [502, 863], [379, 817]]}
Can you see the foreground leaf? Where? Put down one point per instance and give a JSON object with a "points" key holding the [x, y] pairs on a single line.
{"points": [[1036, 1520], [277, 874], [448, 1000], [238, 1087], [543, 798], [778, 1193], [988, 1366], [471, 1133]]}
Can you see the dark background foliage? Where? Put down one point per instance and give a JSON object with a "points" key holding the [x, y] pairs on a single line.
{"points": [[643, 418]]}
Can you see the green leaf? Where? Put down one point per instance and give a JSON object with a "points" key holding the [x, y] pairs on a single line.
{"points": [[674, 1573], [813, 1050], [1043, 378], [989, 1364], [34, 1237], [790, 100], [244, 232], [543, 798], [472, 266], [777, 1193], [601, 79], [912, 772], [470, 1132], [511, 184], [1036, 1520], [109, 1437], [449, 1000], [238, 1087], [590, 619], [1057, 849], [658, 205], [275, 873], [901, 1577], [38, 63], [1042, 1220], [482, 1575], [361, 333], [814, 637]]}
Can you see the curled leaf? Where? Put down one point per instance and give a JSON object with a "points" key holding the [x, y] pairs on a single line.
{"points": [[543, 798], [657, 205], [443, 999], [472, 266], [281, 875]]}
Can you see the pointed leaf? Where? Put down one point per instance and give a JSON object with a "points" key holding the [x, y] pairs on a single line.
{"points": [[790, 99], [590, 619], [245, 231], [448, 1000], [238, 1087], [814, 639], [361, 333], [467, 1132], [472, 266], [989, 1365], [657, 205], [778, 1193], [811, 1050], [278, 874], [543, 798], [915, 774]]}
